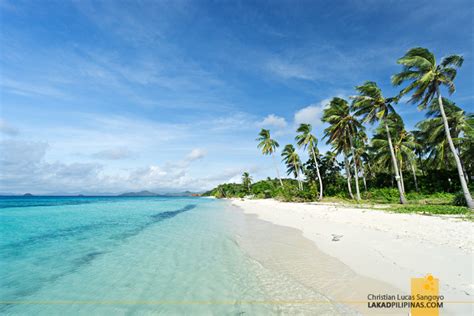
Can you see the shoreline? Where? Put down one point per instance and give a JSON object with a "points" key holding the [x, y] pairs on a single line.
{"points": [[387, 247]]}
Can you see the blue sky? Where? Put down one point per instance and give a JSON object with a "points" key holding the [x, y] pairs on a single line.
{"points": [[114, 96]]}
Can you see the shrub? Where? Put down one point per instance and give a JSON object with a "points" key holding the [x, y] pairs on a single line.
{"points": [[431, 209], [384, 195], [459, 199]]}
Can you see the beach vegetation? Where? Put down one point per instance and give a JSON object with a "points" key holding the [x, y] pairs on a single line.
{"points": [[422, 170], [268, 146], [425, 79]]}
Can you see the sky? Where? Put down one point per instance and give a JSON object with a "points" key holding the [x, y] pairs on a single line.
{"points": [[114, 96]]}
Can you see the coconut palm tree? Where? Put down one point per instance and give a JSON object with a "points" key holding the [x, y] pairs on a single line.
{"points": [[410, 147], [404, 147], [246, 181], [341, 132], [361, 155], [308, 141], [426, 78], [293, 163], [431, 131], [374, 107], [268, 147]]}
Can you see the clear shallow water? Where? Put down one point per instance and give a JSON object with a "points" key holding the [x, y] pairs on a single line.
{"points": [[95, 255]]}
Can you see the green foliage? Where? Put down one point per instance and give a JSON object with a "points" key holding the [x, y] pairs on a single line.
{"points": [[459, 199], [430, 209], [382, 195], [395, 163]]}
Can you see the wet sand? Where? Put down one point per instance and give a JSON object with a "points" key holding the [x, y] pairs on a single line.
{"points": [[301, 247], [287, 252]]}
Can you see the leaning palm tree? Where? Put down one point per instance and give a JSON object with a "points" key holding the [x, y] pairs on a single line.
{"points": [[268, 147], [341, 132], [431, 132], [426, 78], [361, 155], [308, 141], [246, 181], [409, 148], [373, 107], [293, 163]]}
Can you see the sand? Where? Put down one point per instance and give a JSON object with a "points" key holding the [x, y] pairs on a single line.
{"points": [[378, 251]]}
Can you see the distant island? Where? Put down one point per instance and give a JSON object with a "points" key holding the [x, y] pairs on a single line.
{"points": [[141, 193], [148, 193]]}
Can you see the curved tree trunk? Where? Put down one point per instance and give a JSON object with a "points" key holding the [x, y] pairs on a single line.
{"points": [[276, 168], [319, 176], [363, 176], [465, 189], [401, 176], [356, 176], [414, 177], [395, 166], [348, 176], [300, 186], [466, 176]]}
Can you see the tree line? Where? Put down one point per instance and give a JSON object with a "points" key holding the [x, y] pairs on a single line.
{"points": [[442, 144]]}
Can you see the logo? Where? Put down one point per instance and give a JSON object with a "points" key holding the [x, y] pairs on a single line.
{"points": [[425, 296], [424, 299]]}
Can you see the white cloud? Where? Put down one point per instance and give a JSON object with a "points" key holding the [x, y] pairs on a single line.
{"points": [[113, 154], [7, 129], [313, 113], [289, 70], [196, 154], [273, 120], [30, 89], [25, 169]]}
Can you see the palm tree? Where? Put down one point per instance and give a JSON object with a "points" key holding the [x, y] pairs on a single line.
{"points": [[246, 181], [404, 147], [268, 147], [431, 132], [409, 148], [293, 163], [341, 132], [361, 154], [308, 141], [426, 78], [373, 107]]}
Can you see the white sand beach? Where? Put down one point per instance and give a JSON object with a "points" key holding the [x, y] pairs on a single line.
{"points": [[387, 247]]}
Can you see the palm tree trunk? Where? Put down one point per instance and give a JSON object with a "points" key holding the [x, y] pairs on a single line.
{"points": [[414, 176], [466, 176], [395, 166], [348, 176], [276, 168], [363, 177], [465, 189], [319, 176], [300, 187], [356, 176], [401, 176]]}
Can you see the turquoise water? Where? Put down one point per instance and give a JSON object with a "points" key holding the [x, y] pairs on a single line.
{"points": [[96, 255]]}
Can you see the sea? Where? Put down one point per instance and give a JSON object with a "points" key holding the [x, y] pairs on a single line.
{"points": [[139, 256]]}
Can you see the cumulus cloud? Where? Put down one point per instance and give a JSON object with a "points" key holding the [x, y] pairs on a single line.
{"points": [[273, 120], [7, 129], [196, 154], [312, 113], [113, 154], [25, 169]]}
